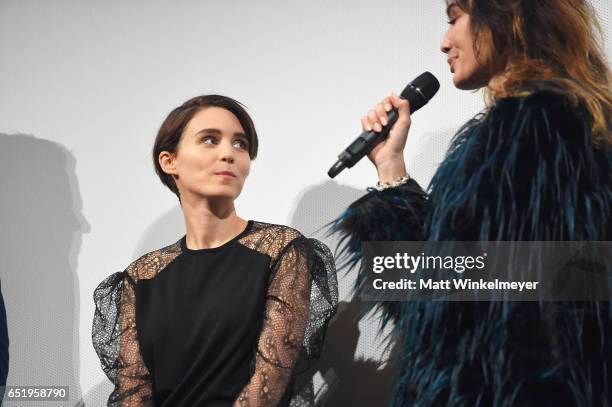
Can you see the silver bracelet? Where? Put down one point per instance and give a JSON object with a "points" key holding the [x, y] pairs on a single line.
{"points": [[392, 184]]}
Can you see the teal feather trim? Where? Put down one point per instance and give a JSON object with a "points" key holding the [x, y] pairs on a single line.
{"points": [[526, 170]]}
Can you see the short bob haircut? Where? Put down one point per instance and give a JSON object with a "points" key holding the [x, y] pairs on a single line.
{"points": [[171, 130]]}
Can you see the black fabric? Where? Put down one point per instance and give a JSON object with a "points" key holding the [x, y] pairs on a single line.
{"points": [[4, 346], [198, 323], [239, 324]]}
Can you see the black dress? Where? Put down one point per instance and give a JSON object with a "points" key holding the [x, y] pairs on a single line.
{"points": [[210, 327]]}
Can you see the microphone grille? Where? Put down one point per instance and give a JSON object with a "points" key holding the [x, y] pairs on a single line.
{"points": [[420, 90], [427, 83]]}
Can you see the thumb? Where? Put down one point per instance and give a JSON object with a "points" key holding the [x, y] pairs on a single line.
{"points": [[402, 105]]}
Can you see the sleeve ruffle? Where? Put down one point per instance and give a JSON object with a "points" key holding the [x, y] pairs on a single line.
{"points": [[388, 215], [322, 307], [302, 297], [115, 341]]}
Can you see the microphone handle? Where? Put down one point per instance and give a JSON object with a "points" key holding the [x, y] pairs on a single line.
{"points": [[362, 145]]}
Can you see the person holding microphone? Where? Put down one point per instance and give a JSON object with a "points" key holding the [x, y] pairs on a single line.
{"points": [[535, 165]]}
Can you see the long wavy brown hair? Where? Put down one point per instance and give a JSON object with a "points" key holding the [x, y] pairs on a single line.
{"points": [[544, 44]]}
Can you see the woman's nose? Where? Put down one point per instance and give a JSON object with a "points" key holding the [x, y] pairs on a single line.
{"points": [[445, 45], [227, 154]]}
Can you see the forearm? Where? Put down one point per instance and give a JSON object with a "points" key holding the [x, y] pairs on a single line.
{"points": [[266, 387]]}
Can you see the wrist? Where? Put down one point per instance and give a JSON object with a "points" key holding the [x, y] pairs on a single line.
{"points": [[394, 184], [391, 170]]}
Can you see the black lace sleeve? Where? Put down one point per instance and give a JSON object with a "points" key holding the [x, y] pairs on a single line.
{"points": [[301, 299], [115, 340]]}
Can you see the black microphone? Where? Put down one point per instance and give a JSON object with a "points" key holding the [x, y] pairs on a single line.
{"points": [[418, 92]]}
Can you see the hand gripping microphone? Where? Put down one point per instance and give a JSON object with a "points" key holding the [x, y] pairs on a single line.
{"points": [[418, 92]]}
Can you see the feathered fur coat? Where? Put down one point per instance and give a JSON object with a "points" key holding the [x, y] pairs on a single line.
{"points": [[525, 170]]}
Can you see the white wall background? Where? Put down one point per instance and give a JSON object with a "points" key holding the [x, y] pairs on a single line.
{"points": [[84, 86]]}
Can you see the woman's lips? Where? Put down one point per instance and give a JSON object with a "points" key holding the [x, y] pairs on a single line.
{"points": [[451, 62], [226, 174]]}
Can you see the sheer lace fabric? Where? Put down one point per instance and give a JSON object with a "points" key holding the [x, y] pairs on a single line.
{"points": [[300, 300], [114, 331]]}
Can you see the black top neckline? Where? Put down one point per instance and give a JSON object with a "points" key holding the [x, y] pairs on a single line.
{"points": [[185, 249]]}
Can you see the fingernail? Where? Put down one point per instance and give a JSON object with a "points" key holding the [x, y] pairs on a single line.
{"points": [[387, 107], [384, 121], [377, 127]]}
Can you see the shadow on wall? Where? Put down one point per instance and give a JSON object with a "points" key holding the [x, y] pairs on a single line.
{"points": [[349, 380], [432, 148], [98, 395], [40, 212], [166, 230], [352, 381]]}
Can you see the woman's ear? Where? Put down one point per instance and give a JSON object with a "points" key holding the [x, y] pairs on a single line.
{"points": [[167, 162]]}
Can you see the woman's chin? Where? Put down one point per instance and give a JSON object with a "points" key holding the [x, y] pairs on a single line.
{"points": [[229, 195], [219, 193], [461, 83], [473, 81]]}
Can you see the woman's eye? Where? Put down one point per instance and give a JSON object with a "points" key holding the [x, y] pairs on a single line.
{"points": [[240, 144], [452, 21], [209, 140]]}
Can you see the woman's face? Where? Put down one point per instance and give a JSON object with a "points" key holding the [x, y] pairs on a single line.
{"points": [[212, 158], [457, 43]]}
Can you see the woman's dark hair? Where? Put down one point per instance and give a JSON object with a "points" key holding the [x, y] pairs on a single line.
{"points": [[555, 44], [171, 130]]}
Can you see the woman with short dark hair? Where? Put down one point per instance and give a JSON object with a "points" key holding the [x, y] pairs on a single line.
{"points": [[235, 310]]}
